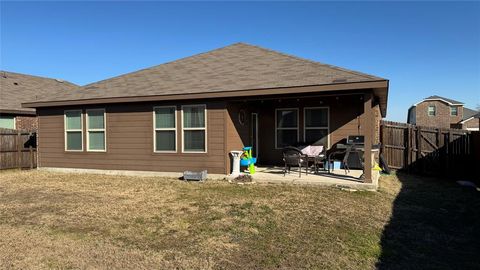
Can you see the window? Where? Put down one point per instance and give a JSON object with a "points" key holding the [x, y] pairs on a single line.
{"points": [[453, 111], [73, 130], [316, 126], [194, 132], [96, 139], [165, 123], [431, 110], [286, 125], [7, 121]]}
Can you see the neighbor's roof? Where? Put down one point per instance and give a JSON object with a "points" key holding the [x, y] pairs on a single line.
{"points": [[468, 113], [233, 68], [16, 88], [447, 100]]}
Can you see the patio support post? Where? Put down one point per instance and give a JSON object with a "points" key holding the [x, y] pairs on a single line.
{"points": [[368, 126]]}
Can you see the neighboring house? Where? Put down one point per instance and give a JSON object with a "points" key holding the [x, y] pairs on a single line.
{"points": [[190, 113], [436, 111], [16, 88]]}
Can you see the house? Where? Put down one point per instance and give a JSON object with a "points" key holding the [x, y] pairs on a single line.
{"points": [[16, 88], [436, 111], [190, 113]]}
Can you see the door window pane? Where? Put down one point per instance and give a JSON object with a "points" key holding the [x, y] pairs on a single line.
{"points": [[74, 140], [194, 117], [7, 122], [96, 140], [194, 140], [165, 140], [165, 117], [287, 118], [74, 119]]}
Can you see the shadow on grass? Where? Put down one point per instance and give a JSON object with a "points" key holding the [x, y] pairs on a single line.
{"points": [[435, 224]]}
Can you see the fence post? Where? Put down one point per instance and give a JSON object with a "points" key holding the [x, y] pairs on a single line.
{"points": [[19, 150], [30, 148], [419, 148], [408, 148]]}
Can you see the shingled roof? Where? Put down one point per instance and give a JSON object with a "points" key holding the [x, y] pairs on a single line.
{"points": [[16, 88], [236, 70], [448, 100], [469, 113]]}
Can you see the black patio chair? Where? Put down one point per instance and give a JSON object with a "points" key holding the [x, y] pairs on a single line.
{"points": [[293, 157]]}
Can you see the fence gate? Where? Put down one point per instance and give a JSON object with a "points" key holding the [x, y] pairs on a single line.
{"points": [[427, 150], [17, 149]]}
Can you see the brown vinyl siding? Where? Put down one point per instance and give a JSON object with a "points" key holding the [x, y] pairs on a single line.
{"points": [[130, 141]]}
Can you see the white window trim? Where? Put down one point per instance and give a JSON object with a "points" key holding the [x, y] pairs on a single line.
{"points": [[14, 121], [72, 130], [104, 129], [434, 110], [204, 128], [310, 128], [289, 128], [163, 129], [456, 110]]}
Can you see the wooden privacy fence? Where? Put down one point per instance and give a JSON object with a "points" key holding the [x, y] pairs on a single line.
{"points": [[428, 150], [17, 149]]}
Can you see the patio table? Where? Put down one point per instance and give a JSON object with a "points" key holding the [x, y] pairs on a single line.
{"points": [[313, 152]]}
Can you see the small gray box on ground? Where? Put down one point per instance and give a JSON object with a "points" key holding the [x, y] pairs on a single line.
{"points": [[197, 176]]}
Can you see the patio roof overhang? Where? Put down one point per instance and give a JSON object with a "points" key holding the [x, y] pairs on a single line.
{"points": [[380, 91]]}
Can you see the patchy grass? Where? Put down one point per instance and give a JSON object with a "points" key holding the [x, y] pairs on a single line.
{"points": [[53, 220]]}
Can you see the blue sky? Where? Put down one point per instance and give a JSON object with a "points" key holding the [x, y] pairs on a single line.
{"points": [[423, 48]]}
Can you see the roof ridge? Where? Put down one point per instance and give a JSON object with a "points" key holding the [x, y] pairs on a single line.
{"points": [[36, 76], [449, 100], [369, 76], [155, 66]]}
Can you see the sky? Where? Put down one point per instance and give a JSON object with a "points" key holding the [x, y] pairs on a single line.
{"points": [[422, 48]]}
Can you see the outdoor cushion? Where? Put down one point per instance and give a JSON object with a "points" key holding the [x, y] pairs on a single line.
{"points": [[312, 150]]}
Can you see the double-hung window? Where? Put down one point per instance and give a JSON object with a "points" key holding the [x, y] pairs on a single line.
{"points": [[316, 126], [286, 127], [73, 130], [165, 122], [194, 128], [7, 121], [453, 111], [431, 110], [96, 137]]}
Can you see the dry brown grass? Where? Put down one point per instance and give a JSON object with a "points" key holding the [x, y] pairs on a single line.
{"points": [[53, 220]]}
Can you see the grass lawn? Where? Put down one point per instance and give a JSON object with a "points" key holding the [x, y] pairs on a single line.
{"points": [[53, 220]]}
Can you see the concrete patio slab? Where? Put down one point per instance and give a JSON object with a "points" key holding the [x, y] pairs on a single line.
{"points": [[337, 178]]}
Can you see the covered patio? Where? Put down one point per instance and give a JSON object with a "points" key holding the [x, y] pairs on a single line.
{"points": [[327, 119]]}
